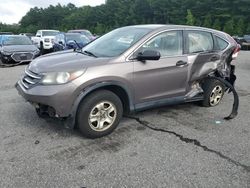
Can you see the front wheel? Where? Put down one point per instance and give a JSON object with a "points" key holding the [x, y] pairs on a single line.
{"points": [[213, 92], [99, 114]]}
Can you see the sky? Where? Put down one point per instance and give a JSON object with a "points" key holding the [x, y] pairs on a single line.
{"points": [[11, 11]]}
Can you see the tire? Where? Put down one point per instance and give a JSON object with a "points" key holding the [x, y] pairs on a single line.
{"points": [[41, 114], [213, 92], [106, 110], [1, 62], [41, 48]]}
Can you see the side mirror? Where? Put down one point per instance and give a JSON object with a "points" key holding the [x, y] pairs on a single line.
{"points": [[148, 55], [72, 44]]}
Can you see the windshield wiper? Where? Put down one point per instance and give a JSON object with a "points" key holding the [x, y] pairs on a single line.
{"points": [[78, 46], [89, 53]]}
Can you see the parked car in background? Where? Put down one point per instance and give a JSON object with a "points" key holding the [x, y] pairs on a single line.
{"points": [[28, 34], [44, 39], [246, 42], [130, 69], [16, 49], [247, 38], [65, 41], [6, 33], [85, 32], [243, 41]]}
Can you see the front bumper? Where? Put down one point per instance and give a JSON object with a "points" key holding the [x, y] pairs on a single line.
{"points": [[12, 59], [47, 45], [59, 97]]}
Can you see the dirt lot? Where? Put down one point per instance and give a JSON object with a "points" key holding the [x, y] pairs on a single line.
{"points": [[195, 147]]}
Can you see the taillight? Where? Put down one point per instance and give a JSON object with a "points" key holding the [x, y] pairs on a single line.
{"points": [[236, 52]]}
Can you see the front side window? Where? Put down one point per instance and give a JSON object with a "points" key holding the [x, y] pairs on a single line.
{"points": [[57, 38], [199, 41], [168, 44]]}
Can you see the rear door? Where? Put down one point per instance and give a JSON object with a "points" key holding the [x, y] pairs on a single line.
{"points": [[166, 77], [203, 58]]}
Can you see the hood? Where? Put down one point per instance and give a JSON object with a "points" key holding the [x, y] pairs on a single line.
{"points": [[19, 48], [65, 61]]}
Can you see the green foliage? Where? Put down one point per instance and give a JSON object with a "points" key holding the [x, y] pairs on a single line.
{"points": [[229, 27], [217, 24], [190, 18], [230, 16], [6, 28], [208, 21], [240, 27], [248, 29]]}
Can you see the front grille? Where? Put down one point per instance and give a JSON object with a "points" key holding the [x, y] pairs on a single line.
{"points": [[22, 56], [30, 79]]}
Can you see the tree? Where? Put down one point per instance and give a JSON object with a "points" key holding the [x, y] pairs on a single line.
{"points": [[248, 29], [117, 13], [229, 27], [217, 24], [190, 18], [208, 21], [240, 27]]}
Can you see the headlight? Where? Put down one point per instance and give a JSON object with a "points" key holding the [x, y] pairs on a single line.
{"points": [[60, 77], [37, 51]]}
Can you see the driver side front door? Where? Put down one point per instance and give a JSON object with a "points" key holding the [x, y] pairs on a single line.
{"points": [[166, 77]]}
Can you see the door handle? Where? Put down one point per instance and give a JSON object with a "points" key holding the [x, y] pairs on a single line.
{"points": [[214, 58], [181, 63]]}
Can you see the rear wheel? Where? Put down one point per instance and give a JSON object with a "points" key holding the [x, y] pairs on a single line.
{"points": [[99, 114], [213, 92]]}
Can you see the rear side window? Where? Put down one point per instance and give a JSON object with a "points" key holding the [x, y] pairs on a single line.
{"points": [[221, 44], [199, 41]]}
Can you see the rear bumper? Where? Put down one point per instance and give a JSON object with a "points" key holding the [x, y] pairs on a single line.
{"points": [[59, 97]]}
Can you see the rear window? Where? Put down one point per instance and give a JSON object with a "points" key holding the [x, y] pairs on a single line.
{"points": [[221, 44], [199, 41]]}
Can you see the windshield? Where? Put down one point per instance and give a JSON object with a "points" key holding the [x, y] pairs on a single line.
{"points": [[88, 34], [116, 42], [17, 40], [50, 33], [78, 38]]}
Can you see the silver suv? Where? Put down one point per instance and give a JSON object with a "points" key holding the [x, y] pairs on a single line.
{"points": [[130, 69]]}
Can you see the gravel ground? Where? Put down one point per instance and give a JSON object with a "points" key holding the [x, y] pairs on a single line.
{"points": [[194, 147]]}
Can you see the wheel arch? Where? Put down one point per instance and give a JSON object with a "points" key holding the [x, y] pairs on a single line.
{"points": [[116, 87]]}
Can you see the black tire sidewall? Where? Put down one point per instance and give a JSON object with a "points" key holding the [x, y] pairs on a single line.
{"points": [[41, 48], [88, 104]]}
